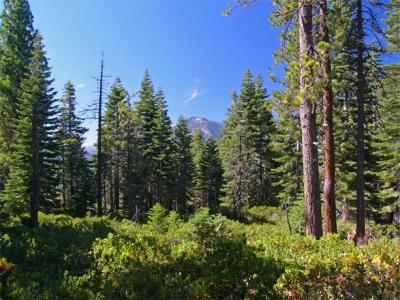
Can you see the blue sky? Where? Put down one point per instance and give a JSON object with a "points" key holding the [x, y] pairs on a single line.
{"points": [[194, 53]]}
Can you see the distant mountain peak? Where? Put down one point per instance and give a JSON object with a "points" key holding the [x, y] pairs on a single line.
{"points": [[208, 128]]}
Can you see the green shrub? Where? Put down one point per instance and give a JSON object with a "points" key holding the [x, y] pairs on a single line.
{"points": [[264, 214], [157, 218], [206, 257], [390, 231]]}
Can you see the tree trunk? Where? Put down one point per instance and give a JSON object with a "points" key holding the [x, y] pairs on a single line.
{"points": [[63, 191], [71, 180], [360, 230], [111, 188], [129, 182], [308, 127], [329, 183], [99, 147], [34, 198], [116, 185], [117, 162]]}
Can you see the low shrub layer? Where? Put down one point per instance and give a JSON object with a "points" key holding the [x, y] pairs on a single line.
{"points": [[206, 257]]}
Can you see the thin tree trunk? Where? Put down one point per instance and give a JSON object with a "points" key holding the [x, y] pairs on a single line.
{"points": [[63, 192], [312, 196], [329, 184], [99, 146], [298, 168], [116, 185], [69, 203], [360, 230], [34, 199], [117, 163], [111, 188], [238, 176], [71, 179], [129, 167], [129, 181]]}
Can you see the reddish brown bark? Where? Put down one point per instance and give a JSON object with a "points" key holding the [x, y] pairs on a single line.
{"points": [[312, 198], [329, 183]]}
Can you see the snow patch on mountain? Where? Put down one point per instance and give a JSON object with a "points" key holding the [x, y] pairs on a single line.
{"points": [[208, 128]]}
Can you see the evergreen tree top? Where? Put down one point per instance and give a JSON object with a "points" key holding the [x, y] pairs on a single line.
{"points": [[16, 21], [146, 91], [39, 59], [182, 125]]}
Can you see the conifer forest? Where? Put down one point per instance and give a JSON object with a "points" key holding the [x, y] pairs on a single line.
{"points": [[299, 198]]}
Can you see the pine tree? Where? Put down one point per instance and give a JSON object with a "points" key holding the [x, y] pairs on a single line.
{"points": [[386, 145], [263, 134], [386, 139], [329, 183], [146, 110], [196, 149], [360, 96], [85, 184], [299, 100], [357, 75], [75, 170], [392, 30], [308, 122], [16, 35], [210, 176], [287, 171], [197, 146], [246, 147], [288, 168], [112, 139], [183, 165], [245, 139], [234, 152], [164, 154], [229, 148], [33, 172], [131, 160], [343, 75]]}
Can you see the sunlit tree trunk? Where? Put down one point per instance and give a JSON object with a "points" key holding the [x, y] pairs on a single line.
{"points": [[312, 196], [329, 183]]}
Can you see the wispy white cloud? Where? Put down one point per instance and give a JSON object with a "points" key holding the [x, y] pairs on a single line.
{"points": [[80, 85], [196, 93]]}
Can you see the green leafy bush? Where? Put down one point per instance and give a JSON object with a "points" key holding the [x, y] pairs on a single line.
{"points": [[264, 214], [206, 257]]}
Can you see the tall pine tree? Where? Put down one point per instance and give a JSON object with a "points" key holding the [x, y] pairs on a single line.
{"points": [[184, 165], [196, 149], [33, 177], [146, 110], [165, 148], [75, 170], [16, 36], [246, 146], [210, 178], [112, 139]]}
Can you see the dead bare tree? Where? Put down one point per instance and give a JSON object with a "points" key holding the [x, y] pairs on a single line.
{"points": [[95, 112]]}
